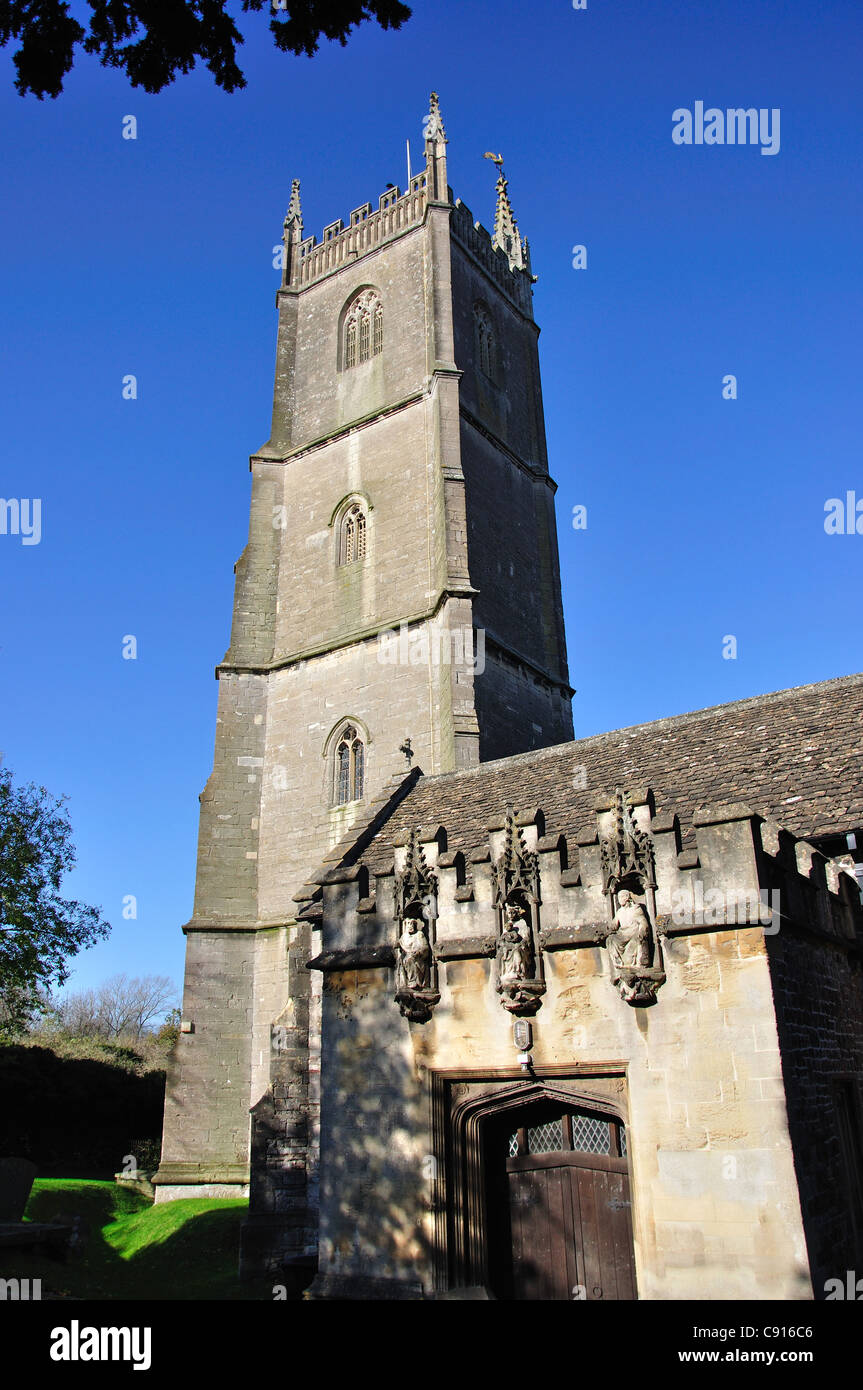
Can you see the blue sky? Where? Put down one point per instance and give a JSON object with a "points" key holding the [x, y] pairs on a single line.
{"points": [[154, 257]]}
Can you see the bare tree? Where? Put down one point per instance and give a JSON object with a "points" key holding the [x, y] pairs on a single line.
{"points": [[119, 1008]]}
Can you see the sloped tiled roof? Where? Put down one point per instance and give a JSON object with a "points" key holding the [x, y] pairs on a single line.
{"points": [[796, 755]]}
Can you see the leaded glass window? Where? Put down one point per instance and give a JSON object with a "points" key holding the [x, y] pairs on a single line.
{"points": [[364, 329], [352, 538], [545, 1139], [570, 1132], [349, 767]]}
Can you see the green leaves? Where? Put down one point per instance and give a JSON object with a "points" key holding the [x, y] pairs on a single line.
{"points": [[39, 929], [154, 40]]}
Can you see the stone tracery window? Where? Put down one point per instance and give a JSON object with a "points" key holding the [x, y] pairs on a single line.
{"points": [[349, 766], [352, 535], [485, 345], [364, 329]]}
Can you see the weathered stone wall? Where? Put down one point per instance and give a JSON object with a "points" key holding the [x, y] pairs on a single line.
{"points": [[518, 710], [716, 1211], [393, 466], [512, 535], [205, 1145], [388, 703], [509, 402], [324, 396], [817, 974], [206, 1134]]}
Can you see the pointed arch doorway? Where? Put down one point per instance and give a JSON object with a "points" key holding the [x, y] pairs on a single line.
{"points": [[538, 1195]]}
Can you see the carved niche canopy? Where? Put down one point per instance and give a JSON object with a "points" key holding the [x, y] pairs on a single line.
{"points": [[415, 892], [515, 892], [629, 883], [627, 853]]}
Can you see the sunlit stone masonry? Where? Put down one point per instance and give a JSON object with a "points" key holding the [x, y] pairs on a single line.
{"points": [[471, 1009]]}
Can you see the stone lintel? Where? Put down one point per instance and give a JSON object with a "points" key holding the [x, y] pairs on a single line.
{"points": [[719, 814], [588, 934], [634, 796], [179, 1173], [194, 926], [354, 958], [464, 947]]}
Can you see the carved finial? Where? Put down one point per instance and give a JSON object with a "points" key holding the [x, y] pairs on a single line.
{"points": [[433, 123], [294, 215], [407, 750], [627, 854], [506, 234], [516, 869]]}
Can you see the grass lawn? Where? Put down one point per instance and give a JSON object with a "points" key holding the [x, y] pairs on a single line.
{"points": [[134, 1250]]}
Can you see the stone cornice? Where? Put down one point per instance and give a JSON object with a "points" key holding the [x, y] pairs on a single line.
{"points": [[351, 638], [444, 370], [540, 474]]}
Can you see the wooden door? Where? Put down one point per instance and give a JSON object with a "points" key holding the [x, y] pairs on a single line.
{"points": [[559, 1208]]}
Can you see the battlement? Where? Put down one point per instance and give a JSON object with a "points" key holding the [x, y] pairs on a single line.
{"points": [[397, 212], [503, 255], [736, 869], [478, 242]]}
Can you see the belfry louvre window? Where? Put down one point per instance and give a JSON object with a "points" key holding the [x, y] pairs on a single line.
{"points": [[349, 767], [364, 329], [352, 535], [570, 1133]]}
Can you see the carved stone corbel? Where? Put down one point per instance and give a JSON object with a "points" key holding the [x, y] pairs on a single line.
{"points": [[629, 883], [415, 893]]}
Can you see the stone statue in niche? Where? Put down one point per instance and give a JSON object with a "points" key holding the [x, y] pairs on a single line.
{"points": [[630, 945], [517, 980], [415, 891], [515, 893], [413, 957], [515, 949], [629, 883]]}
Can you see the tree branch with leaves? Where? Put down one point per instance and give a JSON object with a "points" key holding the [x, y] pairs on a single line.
{"points": [[153, 41], [39, 928]]}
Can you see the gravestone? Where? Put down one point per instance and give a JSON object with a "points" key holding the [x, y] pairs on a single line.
{"points": [[16, 1180]]}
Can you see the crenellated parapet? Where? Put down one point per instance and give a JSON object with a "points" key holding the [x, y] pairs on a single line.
{"points": [[626, 882], [503, 254]]}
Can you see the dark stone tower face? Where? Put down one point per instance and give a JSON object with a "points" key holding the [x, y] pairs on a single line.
{"points": [[523, 699], [400, 581]]}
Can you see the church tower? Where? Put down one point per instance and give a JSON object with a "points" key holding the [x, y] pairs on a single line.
{"points": [[398, 598]]}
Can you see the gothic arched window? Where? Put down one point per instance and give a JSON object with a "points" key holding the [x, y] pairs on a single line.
{"points": [[349, 766], [352, 535], [364, 329], [485, 347]]}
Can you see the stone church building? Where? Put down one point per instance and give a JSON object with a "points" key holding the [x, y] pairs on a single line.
{"points": [[471, 1007]]}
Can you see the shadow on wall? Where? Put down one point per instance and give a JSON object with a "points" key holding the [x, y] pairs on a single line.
{"points": [[376, 1185]]}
